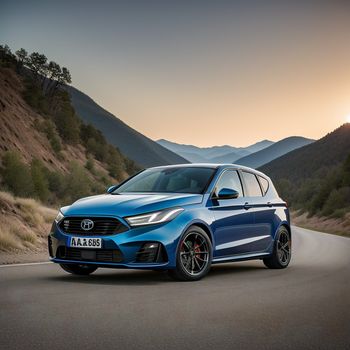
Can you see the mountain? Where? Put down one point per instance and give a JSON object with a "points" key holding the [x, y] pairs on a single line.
{"points": [[46, 151], [316, 178], [193, 157], [274, 151], [303, 163], [215, 154], [258, 146], [133, 144], [229, 157]]}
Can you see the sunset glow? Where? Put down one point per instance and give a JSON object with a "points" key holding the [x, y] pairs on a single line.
{"points": [[203, 73]]}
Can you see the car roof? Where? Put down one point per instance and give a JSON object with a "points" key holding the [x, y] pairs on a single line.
{"points": [[212, 166]]}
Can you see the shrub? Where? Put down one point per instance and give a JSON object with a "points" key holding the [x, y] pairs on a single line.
{"points": [[17, 175], [40, 182], [90, 165], [78, 183], [337, 200]]}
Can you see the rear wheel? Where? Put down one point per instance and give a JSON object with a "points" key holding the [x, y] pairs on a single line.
{"points": [[193, 257], [282, 251], [79, 269]]}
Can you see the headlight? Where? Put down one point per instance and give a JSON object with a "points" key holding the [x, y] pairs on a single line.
{"points": [[154, 218], [59, 217]]}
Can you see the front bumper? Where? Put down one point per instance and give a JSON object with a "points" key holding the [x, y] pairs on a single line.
{"points": [[130, 249]]}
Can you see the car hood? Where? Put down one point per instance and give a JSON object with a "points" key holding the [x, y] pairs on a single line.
{"points": [[129, 204]]}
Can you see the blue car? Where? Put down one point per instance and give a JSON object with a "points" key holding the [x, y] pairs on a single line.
{"points": [[180, 218]]}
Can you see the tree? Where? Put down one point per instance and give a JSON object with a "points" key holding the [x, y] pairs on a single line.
{"points": [[346, 171], [55, 72], [67, 122], [22, 57], [337, 199], [66, 78], [6, 56], [37, 63]]}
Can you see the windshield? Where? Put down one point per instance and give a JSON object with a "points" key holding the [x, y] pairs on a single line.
{"points": [[176, 180]]}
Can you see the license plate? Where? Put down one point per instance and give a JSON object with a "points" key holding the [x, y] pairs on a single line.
{"points": [[82, 242]]}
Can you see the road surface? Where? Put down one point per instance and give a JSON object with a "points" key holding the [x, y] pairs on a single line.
{"points": [[237, 306]]}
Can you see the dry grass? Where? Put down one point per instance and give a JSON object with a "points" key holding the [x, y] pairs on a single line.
{"points": [[330, 225], [24, 224]]}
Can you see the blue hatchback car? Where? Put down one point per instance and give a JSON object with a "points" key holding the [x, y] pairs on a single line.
{"points": [[180, 218]]}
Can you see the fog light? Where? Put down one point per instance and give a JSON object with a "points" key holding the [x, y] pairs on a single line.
{"points": [[148, 253]]}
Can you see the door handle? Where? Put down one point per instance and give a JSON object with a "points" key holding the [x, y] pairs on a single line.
{"points": [[269, 204], [247, 206]]}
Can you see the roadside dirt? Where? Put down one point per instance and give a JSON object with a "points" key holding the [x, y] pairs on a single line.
{"points": [[339, 227], [23, 257]]}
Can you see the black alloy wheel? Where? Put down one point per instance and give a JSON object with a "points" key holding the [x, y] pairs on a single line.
{"points": [[193, 256], [282, 251]]}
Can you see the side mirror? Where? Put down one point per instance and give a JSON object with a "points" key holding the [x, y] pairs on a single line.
{"points": [[227, 193], [111, 189]]}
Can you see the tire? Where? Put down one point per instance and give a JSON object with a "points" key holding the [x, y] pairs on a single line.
{"points": [[193, 256], [76, 269], [282, 251]]}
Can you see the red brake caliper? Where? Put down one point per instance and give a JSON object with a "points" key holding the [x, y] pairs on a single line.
{"points": [[197, 249]]}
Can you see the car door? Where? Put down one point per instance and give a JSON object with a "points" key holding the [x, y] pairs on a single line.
{"points": [[233, 222], [260, 236], [264, 213]]}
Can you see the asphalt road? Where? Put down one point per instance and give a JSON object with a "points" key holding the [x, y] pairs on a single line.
{"points": [[237, 306]]}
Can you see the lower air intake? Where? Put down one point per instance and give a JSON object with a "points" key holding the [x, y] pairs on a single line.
{"points": [[94, 255]]}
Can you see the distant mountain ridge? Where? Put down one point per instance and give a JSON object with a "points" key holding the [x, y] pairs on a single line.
{"points": [[132, 143], [215, 154], [316, 178], [303, 163], [274, 151]]}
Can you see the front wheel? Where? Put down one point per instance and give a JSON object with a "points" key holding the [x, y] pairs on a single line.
{"points": [[193, 256], [282, 251], [78, 269]]}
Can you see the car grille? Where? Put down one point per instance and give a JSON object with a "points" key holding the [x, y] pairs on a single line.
{"points": [[102, 226], [95, 255]]}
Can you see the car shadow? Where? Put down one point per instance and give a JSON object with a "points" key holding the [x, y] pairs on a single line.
{"points": [[144, 277]]}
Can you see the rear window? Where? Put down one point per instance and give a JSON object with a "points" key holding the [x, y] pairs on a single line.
{"points": [[264, 184], [252, 184]]}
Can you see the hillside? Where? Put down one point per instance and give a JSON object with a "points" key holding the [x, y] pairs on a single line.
{"points": [[274, 151], [215, 154], [24, 225], [316, 178], [133, 144], [19, 128], [306, 162], [46, 151]]}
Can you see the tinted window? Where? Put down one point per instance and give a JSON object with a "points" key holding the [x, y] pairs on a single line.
{"points": [[178, 180], [229, 179], [252, 184], [264, 183]]}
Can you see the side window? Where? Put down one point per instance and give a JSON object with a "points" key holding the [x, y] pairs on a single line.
{"points": [[252, 184], [264, 184], [229, 179]]}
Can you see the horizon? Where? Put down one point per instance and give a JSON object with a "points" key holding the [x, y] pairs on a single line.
{"points": [[202, 74]]}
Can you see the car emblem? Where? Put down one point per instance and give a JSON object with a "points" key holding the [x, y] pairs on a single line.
{"points": [[87, 224]]}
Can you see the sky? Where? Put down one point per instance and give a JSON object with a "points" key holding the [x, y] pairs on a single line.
{"points": [[199, 72]]}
